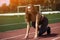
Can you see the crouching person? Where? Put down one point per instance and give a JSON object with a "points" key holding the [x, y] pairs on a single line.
{"points": [[32, 15], [43, 26]]}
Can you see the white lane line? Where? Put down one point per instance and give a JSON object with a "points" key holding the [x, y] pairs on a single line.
{"points": [[12, 24], [15, 36], [56, 38], [19, 35]]}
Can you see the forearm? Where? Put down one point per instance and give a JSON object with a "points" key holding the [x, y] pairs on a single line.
{"points": [[36, 25], [36, 30], [28, 28]]}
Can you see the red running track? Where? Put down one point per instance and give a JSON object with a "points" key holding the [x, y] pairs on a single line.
{"points": [[20, 33]]}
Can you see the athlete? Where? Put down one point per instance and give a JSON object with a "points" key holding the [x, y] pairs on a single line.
{"points": [[37, 19]]}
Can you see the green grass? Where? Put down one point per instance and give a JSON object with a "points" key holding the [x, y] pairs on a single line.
{"points": [[12, 27], [11, 19], [53, 17], [15, 19]]}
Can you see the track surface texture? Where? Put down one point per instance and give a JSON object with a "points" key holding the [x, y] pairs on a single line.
{"points": [[20, 33]]}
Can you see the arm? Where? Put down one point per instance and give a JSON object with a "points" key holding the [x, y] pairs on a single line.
{"points": [[28, 25], [27, 31], [36, 25]]}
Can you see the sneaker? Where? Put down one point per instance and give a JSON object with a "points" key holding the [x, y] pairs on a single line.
{"points": [[48, 31]]}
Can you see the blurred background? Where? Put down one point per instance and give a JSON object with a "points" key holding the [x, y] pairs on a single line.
{"points": [[12, 12], [10, 6]]}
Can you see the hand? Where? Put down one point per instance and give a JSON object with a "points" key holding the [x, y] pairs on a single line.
{"points": [[35, 36], [26, 36]]}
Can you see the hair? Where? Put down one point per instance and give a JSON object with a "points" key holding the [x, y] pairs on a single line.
{"points": [[32, 8], [31, 12]]}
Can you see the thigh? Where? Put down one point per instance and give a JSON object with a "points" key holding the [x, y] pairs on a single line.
{"points": [[43, 27], [42, 30]]}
